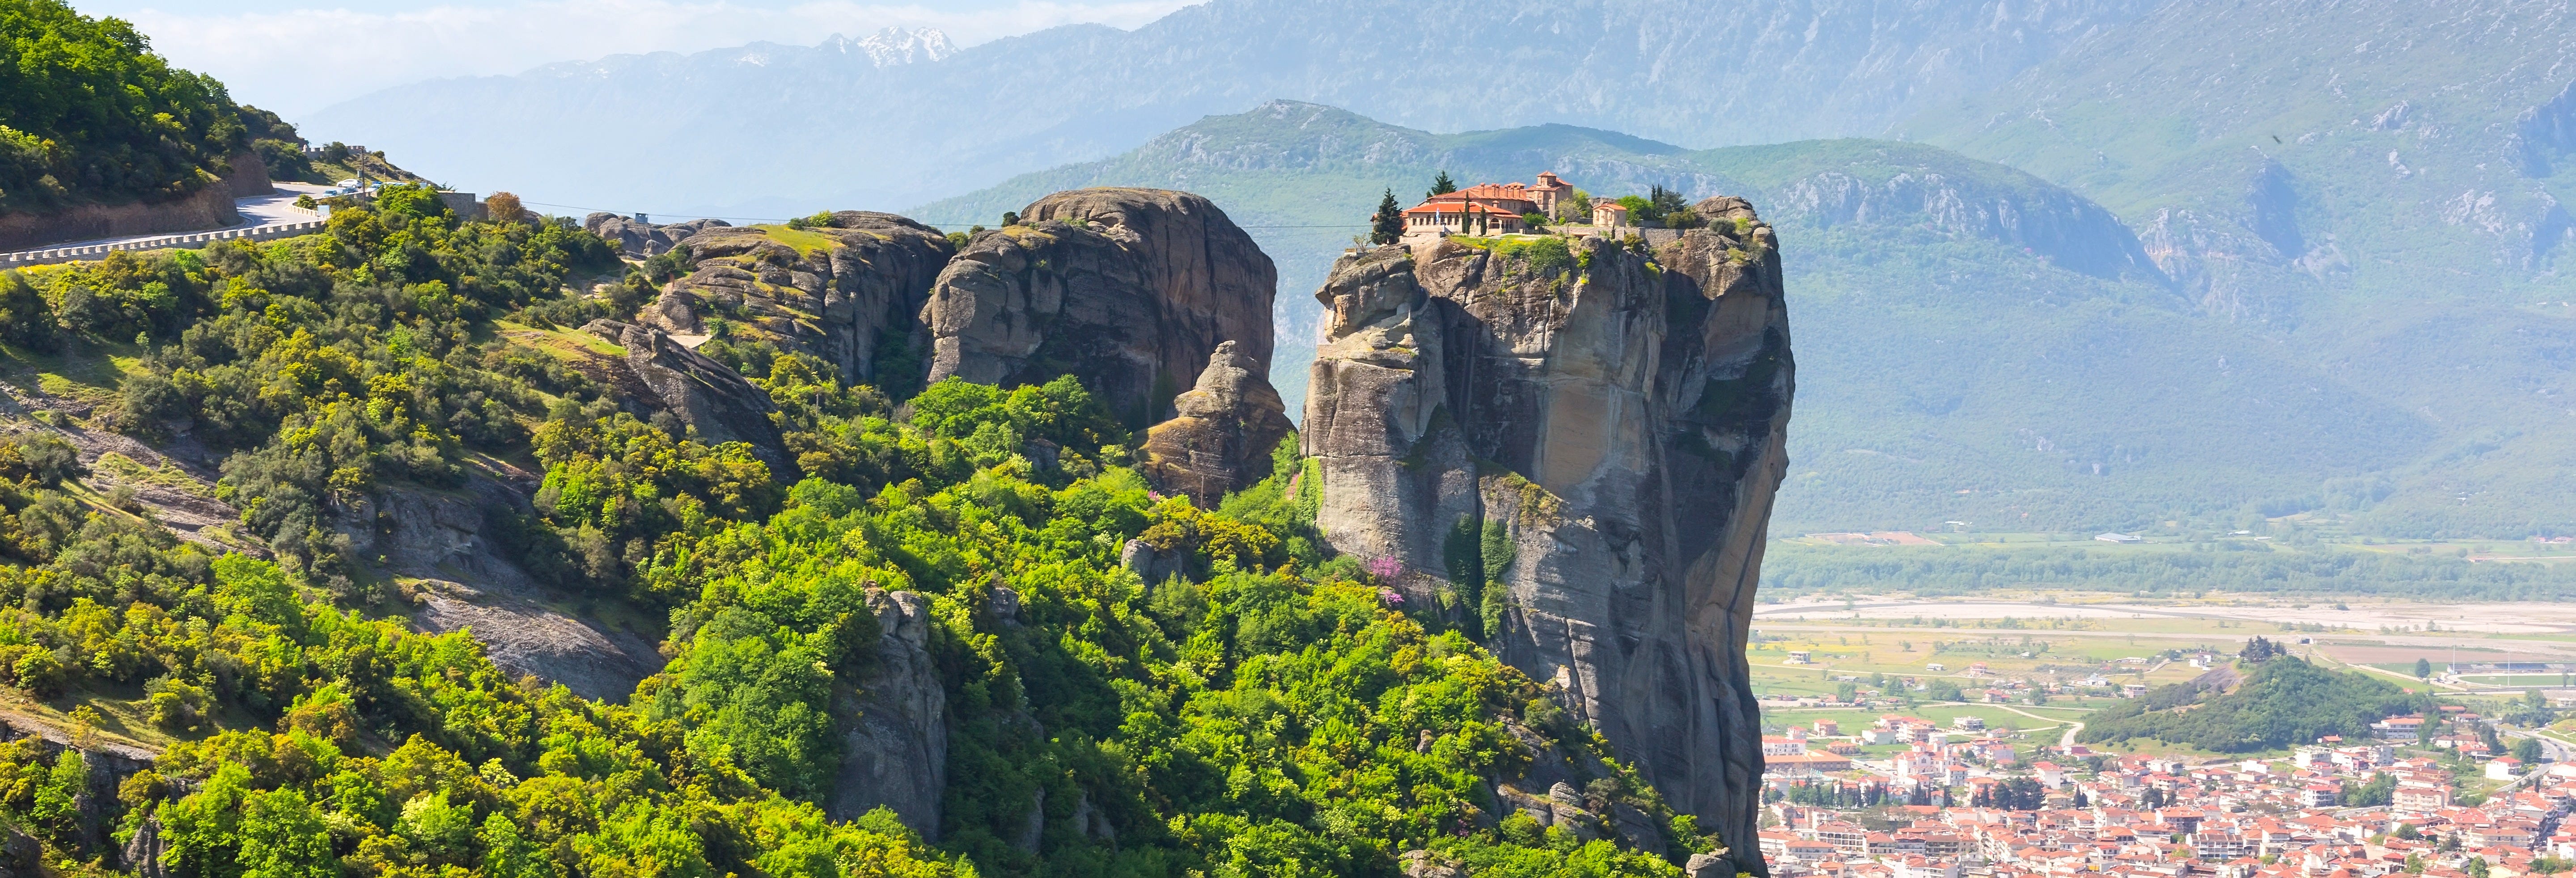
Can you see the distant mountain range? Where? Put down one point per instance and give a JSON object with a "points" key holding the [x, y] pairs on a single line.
{"points": [[2259, 258], [779, 130]]}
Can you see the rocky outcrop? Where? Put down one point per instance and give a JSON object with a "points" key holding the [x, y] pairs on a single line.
{"points": [[1130, 290], [658, 376], [849, 293], [142, 853], [450, 546], [1425, 864], [1221, 436], [639, 240], [1617, 419], [95, 808], [895, 727]]}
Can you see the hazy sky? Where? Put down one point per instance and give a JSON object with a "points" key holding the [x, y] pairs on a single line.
{"points": [[295, 56]]}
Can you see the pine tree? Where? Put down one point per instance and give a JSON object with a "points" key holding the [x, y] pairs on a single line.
{"points": [[1388, 224], [1441, 185]]}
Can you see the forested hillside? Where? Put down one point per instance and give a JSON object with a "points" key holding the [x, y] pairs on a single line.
{"points": [[89, 115], [2281, 702], [1269, 713]]}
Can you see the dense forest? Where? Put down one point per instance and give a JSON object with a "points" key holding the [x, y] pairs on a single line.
{"points": [[89, 114], [2282, 701], [1269, 714]]}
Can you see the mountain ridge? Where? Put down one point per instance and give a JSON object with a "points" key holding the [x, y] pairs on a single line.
{"points": [[1015, 104]]}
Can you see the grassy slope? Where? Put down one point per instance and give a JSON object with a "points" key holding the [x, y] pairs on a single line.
{"points": [[1934, 361]]}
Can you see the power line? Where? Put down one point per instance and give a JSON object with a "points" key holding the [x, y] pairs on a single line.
{"points": [[772, 219]]}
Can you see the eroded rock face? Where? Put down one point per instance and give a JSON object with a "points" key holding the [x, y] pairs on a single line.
{"points": [[895, 729], [141, 855], [1130, 290], [659, 375], [1221, 436], [848, 292], [1618, 419], [448, 543]]}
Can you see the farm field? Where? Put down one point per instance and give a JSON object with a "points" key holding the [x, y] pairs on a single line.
{"points": [[2034, 663]]}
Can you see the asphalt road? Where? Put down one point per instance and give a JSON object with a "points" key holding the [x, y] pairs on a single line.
{"points": [[257, 211]]}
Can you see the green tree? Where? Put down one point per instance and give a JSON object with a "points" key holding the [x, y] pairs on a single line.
{"points": [[1387, 224], [1665, 201], [58, 795], [1441, 185], [88, 113], [282, 837], [2528, 750], [2423, 669]]}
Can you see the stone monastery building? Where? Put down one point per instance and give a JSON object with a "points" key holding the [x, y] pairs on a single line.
{"points": [[1497, 208]]}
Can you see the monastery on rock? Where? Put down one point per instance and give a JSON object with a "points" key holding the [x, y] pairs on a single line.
{"points": [[1498, 208]]}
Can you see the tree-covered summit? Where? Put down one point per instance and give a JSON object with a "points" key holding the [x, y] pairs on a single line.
{"points": [[88, 114]]}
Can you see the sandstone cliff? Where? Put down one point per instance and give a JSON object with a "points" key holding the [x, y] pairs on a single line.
{"points": [[1220, 438], [1605, 428], [1130, 290], [848, 292], [895, 726]]}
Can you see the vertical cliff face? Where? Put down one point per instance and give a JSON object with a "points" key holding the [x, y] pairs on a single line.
{"points": [[1576, 452], [1130, 290]]}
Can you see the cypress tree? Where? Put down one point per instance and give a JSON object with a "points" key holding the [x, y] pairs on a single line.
{"points": [[1441, 185], [1388, 224]]}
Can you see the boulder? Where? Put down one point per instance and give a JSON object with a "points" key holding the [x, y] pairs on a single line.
{"points": [[639, 240], [1709, 866], [1564, 794], [1636, 828], [1618, 419], [1220, 438], [895, 727], [659, 375], [1150, 564], [1130, 290]]}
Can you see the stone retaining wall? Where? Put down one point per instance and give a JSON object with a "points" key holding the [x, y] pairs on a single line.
{"points": [[209, 207]]}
